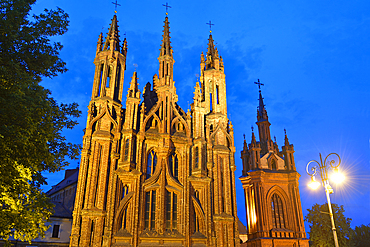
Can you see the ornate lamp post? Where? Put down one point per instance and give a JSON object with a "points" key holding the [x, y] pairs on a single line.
{"points": [[330, 161]]}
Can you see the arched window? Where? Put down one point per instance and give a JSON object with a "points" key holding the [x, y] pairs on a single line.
{"points": [[174, 165], [277, 212], [196, 158], [171, 210], [151, 164], [127, 145]]}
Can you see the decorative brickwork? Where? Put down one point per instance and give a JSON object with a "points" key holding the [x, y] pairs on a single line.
{"points": [[270, 182], [152, 174]]}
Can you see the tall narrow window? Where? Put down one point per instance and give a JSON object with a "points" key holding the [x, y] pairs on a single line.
{"points": [[196, 158], [100, 78], [277, 212], [151, 164], [222, 186], [171, 211], [196, 221], [217, 95], [108, 77], [210, 102], [174, 165], [149, 216], [127, 146], [124, 191]]}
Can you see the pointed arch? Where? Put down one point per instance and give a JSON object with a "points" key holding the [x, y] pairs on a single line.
{"points": [[227, 135], [151, 163], [173, 163], [104, 111], [199, 216], [278, 207], [123, 205]]}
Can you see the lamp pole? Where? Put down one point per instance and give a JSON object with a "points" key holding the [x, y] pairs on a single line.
{"points": [[323, 169]]}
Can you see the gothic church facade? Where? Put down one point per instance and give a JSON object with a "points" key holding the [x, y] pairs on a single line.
{"points": [[152, 174]]}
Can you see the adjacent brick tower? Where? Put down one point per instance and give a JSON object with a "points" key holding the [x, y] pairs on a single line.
{"points": [[152, 174], [270, 182]]}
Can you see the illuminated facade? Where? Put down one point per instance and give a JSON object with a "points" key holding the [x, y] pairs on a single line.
{"points": [[270, 182], [152, 174]]}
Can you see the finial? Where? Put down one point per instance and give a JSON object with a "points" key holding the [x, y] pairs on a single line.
{"points": [[244, 136], [252, 128], [259, 84], [124, 35], [275, 139], [117, 4], [167, 6], [285, 131], [210, 26], [135, 65]]}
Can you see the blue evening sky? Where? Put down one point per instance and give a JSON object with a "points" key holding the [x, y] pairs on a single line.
{"points": [[313, 57]]}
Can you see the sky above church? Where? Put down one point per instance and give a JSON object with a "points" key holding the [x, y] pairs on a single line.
{"points": [[313, 58]]}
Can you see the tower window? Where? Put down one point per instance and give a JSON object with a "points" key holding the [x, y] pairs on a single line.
{"points": [[151, 164], [127, 146], [277, 212], [149, 216], [196, 158], [174, 165], [217, 95], [109, 76], [210, 102], [100, 78], [171, 210]]}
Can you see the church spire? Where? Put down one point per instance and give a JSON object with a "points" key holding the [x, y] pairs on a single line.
{"points": [[261, 112], [165, 58], [263, 124], [112, 41], [166, 48]]}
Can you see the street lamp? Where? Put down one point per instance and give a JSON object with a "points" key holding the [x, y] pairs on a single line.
{"points": [[322, 168]]}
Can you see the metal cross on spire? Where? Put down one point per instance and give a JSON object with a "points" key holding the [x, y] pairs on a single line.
{"points": [[259, 84], [210, 26], [167, 6], [117, 4]]}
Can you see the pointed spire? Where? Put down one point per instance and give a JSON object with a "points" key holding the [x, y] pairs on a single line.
{"points": [[286, 141], [124, 47], [100, 43], [253, 142], [112, 41], [197, 93], [132, 91], [166, 48], [261, 111]]}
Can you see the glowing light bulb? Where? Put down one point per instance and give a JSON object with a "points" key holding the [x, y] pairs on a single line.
{"points": [[337, 177], [313, 184]]}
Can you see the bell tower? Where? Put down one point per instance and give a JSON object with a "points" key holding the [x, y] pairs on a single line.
{"points": [[270, 183], [101, 142]]}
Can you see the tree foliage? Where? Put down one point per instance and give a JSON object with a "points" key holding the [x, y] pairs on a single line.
{"points": [[31, 121], [360, 236], [321, 233]]}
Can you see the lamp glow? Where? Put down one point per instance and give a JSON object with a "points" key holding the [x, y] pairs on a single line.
{"points": [[337, 177], [313, 184]]}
